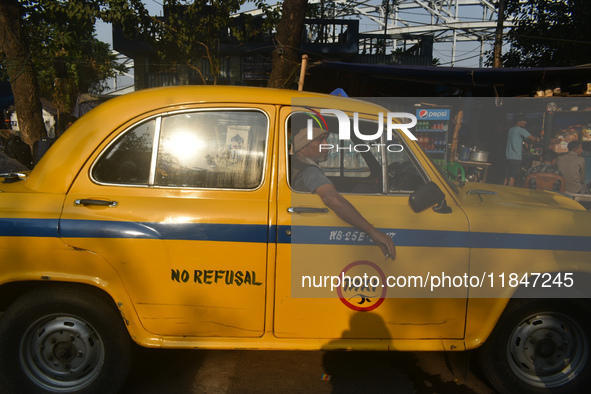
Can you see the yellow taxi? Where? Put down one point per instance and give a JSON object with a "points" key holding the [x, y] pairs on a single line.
{"points": [[172, 217]]}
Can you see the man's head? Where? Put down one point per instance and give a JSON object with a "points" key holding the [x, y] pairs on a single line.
{"points": [[310, 148], [575, 146], [549, 156], [520, 120]]}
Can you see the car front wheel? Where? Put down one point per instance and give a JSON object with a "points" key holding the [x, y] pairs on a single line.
{"points": [[63, 340], [540, 346]]}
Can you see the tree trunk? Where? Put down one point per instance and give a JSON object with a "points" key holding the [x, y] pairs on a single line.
{"points": [[23, 80], [286, 57]]}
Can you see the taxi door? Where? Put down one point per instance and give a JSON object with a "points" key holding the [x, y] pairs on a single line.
{"points": [[178, 203], [315, 246]]}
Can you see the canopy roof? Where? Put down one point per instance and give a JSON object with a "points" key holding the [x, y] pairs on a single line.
{"points": [[516, 81]]}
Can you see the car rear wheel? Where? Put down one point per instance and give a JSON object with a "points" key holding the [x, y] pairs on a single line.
{"points": [[63, 340], [540, 346]]}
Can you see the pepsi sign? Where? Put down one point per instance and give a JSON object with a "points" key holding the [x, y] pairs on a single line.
{"points": [[433, 114]]}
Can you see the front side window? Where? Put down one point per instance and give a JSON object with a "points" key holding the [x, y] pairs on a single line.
{"points": [[358, 166], [202, 149], [403, 173]]}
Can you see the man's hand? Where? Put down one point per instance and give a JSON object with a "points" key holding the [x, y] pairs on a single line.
{"points": [[384, 242], [343, 208]]}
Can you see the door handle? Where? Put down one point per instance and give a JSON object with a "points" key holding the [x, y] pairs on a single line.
{"points": [[299, 210], [101, 203]]}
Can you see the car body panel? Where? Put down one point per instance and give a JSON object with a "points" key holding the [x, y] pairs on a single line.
{"points": [[397, 317], [169, 257], [204, 252]]}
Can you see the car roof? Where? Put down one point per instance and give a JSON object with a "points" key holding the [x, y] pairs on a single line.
{"points": [[57, 170]]}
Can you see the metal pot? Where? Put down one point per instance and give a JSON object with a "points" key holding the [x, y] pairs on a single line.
{"points": [[479, 155]]}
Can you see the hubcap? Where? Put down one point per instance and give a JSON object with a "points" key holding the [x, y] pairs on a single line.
{"points": [[61, 353], [547, 350]]}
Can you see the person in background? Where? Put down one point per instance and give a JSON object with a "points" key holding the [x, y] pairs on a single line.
{"points": [[308, 176], [548, 166], [517, 134], [70, 121], [18, 150], [7, 123], [572, 165]]}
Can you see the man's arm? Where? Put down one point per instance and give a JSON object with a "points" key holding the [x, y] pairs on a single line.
{"points": [[346, 211]]}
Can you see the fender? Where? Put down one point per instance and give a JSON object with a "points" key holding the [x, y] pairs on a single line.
{"points": [[70, 265]]}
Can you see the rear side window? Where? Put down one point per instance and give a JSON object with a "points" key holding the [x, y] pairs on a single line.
{"points": [[127, 161], [212, 149], [222, 149]]}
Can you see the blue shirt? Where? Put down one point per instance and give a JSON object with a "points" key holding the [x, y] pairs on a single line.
{"points": [[515, 142]]}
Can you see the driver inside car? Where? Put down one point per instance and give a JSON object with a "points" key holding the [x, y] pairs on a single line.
{"points": [[308, 176]]}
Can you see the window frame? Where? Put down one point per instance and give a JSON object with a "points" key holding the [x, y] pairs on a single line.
{"points": [[384, 164], [156, 143]]}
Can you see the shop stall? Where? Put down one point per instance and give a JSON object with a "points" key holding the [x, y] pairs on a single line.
{"points": [[570, 122]]}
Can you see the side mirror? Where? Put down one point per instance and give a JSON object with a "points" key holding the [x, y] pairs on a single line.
{"points": [[426, 196]]}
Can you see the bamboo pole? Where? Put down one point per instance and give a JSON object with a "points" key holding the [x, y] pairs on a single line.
{"points": [[303, 72], [454, 141]]}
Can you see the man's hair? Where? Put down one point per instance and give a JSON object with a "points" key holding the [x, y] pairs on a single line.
{"points": [[549, 155], [573, 145], [519, 118]]}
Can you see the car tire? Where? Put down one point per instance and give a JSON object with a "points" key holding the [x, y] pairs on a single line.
{"points": [[540, 346], [63, 340]]}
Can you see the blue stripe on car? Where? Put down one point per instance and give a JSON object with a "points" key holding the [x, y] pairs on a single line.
{"points": [[16, 227], [530, 241], [260, 233], [169, 231]]}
